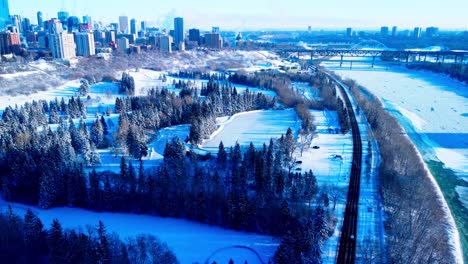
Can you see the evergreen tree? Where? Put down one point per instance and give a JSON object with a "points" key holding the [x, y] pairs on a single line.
{"points": [[34, 238], [56, 242], [103, 250], [222, 156], [97, 133]]}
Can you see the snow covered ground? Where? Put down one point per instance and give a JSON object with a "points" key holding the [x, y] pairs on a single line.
{"points": [[257, 127], [190, 241], [331, 164], [431, 105], [432, 108]]}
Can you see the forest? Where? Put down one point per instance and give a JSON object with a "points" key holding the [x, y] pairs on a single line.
{"points": [[248, 189], [26, 240]]}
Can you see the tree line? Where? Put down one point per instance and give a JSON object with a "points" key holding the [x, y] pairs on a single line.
{"points": [[26, 240]]}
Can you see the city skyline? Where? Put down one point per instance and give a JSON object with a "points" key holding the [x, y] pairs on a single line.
{"points": [[334, 14]]}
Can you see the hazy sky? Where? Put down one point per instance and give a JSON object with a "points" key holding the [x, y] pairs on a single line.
{"points": [[262, 14]]}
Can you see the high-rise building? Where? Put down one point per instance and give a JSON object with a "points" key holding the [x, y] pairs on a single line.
{"points": [[4, 13], [115, 26], [417, 32], [215, 29], [194, 35], [61, 42], [123, 23], [9, 42], [178, 30], [99, 36], [87, 20], [432, 32], [73, 24], [26, 25], [165, 43], [394, 31], [17, 22], [85, 44], [123, 44], [133, 26], [40, 20], [349, 32], [143, 26], [384, 31], [62, 16], [213, 41]]}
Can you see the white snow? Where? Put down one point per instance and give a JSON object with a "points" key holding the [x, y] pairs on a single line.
{"points": [[69, 88], [257, 127], [191, 242], [435, 103]]}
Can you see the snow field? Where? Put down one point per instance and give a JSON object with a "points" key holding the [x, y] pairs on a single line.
{"points": [[190, 241], [257, 127]]}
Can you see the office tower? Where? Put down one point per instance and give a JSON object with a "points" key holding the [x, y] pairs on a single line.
{"points": [[110, 37], [349, 32], [384, 31], [62, 16], [417, 32], [99, 36], [123, 44], [213, 41], [9, 42], [4, 13], [143, 26], [178, 30], [165, 43], [17, 22], [26, 25], [432, 32], [61, 42], [73, 24], [194, 35], [40, 20], [123, 23], [215, 29], [394, 31], [133, 26], [87, 20], [85, 44], [115, 26]]}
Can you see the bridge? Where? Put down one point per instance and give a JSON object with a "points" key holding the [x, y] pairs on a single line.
{"points": [[458, 56]]}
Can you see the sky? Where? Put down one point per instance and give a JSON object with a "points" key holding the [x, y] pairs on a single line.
{"points": [[262, 14]]}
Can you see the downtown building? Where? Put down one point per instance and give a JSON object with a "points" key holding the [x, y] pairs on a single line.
{"points": [[123, 24], [178, 31], [9, 42], [85, 44], [4, 14], [165, 43], [123, 44], [61, 42], [213, 40]]}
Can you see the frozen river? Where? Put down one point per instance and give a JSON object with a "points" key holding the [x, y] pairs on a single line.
{"points": [[433, 110]]}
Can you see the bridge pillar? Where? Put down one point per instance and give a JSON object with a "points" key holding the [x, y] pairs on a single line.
{"points": [[373, 61], [341, 61]]}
